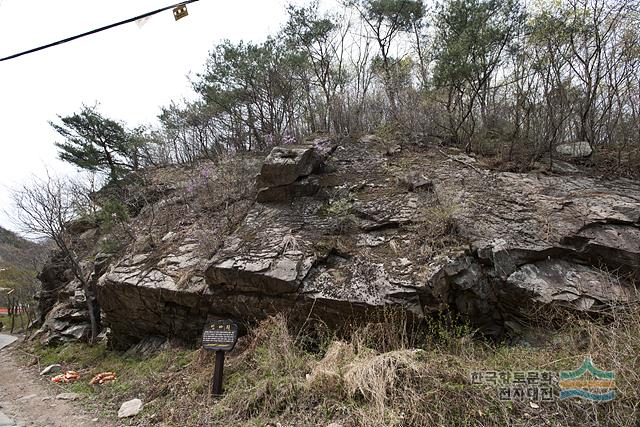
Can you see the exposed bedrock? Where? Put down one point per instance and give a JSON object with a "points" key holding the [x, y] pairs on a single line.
{"points": [[285, 173], [62, 307], [339, 230]]}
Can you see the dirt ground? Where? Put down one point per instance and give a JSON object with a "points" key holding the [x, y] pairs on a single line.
{"points": [[29, 400]]}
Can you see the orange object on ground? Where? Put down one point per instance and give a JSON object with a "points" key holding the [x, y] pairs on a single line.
{"points": [[67, 377], [104, 377]]}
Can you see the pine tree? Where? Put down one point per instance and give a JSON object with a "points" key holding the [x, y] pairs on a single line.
{"points": [[96, 143]]}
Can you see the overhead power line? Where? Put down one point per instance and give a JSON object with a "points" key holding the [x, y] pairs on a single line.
{"points": [[97, 30]]}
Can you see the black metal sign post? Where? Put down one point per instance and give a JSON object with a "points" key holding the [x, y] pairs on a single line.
{"points": [[219, 336]]}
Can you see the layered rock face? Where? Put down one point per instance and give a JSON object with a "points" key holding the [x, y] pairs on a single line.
{"points": [[547, 240], [340, 230], [62, 306]]}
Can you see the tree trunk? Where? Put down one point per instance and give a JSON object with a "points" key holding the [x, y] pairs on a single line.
{"points": [[12, 310], [77, 271]]}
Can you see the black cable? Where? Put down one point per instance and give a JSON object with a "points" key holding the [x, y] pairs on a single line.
{"points": [[97, 30]]}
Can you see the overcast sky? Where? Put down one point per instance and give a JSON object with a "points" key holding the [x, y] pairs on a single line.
{"points": [[130, 71]]}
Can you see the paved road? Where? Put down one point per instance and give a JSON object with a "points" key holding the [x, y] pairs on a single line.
{"points": [[5, 340]]}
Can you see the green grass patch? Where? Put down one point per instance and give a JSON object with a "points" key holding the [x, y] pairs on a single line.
{"points": [[135, 374], [21, 323]]}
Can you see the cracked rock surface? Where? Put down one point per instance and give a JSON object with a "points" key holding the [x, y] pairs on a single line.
{"points": [[341, 230]]}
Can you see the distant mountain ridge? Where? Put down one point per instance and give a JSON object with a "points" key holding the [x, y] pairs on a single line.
{"points": [[18, 251]]}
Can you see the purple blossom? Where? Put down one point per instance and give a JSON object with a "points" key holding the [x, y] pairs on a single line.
{"points": [[288, 138]]}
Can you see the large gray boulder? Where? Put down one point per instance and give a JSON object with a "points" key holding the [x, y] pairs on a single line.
{"points": [[575, 149], [286, 164], [285, 172]]}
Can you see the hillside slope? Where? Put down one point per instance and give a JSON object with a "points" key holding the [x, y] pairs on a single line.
{"points": [[17, 251], [341, 231]]}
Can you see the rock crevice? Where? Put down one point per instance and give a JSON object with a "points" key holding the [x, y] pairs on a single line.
{"points": [[341, 231]]}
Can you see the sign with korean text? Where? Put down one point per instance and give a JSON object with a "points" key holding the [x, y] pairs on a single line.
{"points": [[220, 335]]}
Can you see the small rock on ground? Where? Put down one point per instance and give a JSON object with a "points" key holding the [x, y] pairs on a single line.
{"points": [[51, 369], [68, 396], [27, 397], [130, 408]]}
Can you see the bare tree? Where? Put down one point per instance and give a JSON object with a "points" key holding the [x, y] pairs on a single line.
{"points": [[19, 299], [45, 208], [387, 19]]}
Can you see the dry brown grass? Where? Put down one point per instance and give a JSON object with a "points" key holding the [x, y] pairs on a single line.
{"points": [[379, 378], [617, 161], [387, 374]]}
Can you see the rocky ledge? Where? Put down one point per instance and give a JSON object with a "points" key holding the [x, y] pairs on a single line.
{"points": [[339, 231]]}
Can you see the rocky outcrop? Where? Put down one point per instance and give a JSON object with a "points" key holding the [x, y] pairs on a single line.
{"points": [[340, 231], [143, 296], [570, 241], [285, 172], [531, 240], [65, 316], [575, 149], [53, 276], [557, 280]]}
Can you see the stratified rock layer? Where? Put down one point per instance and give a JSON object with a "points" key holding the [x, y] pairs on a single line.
{"points": [[411, 228]]}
